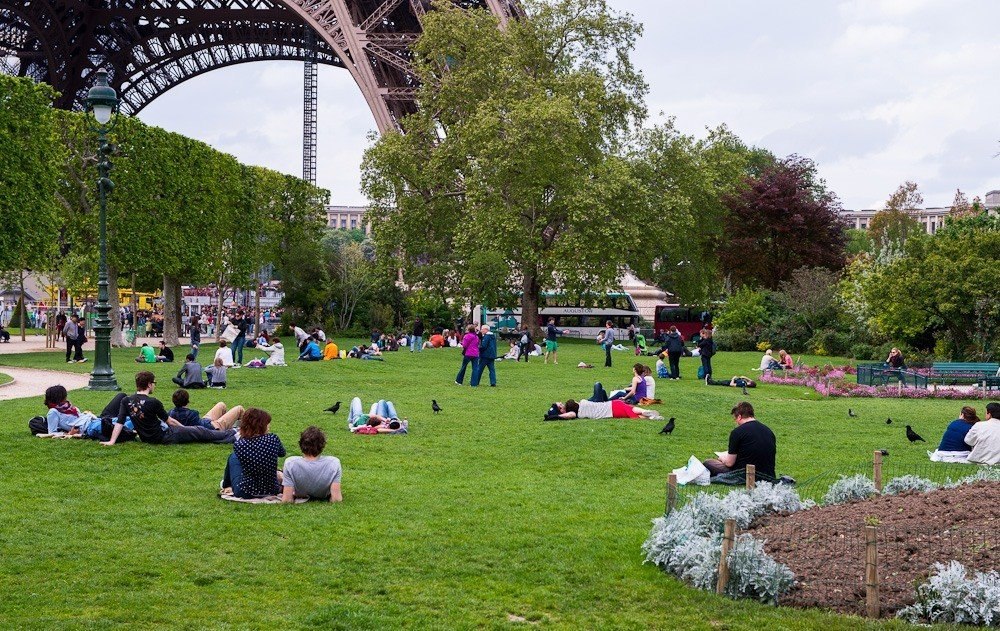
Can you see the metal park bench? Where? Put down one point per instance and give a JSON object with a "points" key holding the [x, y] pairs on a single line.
{"points": [[976, 372]]}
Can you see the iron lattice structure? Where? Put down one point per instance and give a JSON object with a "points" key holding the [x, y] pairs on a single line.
{"points": [[309, 94], [149, 47]]}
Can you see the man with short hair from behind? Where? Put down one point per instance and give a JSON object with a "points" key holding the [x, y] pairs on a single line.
{"points": [[751, 442], [311, 475]]}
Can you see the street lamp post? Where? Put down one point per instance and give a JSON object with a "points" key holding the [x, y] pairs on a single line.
{"points": [[102, 101]]}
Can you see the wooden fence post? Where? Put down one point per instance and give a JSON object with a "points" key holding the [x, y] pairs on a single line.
{"points": [[671, 492], [871, 573], [877, 470], [751, 476], [728, 537]]}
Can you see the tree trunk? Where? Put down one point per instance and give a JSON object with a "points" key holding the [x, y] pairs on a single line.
{"points": [[529, 304], [135, 310], [257, 326], [221, 288], [117, 339], [171, 310], [24, 307]]}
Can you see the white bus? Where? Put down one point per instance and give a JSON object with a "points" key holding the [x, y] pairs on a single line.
{"points": [[582, 316]]}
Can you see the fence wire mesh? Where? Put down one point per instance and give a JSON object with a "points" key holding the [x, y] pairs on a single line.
{"points": [[827, 553]]}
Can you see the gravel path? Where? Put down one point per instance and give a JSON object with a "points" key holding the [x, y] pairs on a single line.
{"points": [[32, 382]]}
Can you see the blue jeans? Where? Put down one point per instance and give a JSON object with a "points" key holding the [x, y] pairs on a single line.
{"points": [[483, 365], [382, 408], [600, 394], [195, 347], [233, 476], [416, 343], [238, 344], [465, 362]]}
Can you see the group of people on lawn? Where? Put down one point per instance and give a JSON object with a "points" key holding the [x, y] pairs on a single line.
{"points": [[971, 439], [251, 470]]}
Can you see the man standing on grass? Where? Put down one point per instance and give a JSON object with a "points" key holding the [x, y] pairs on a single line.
{"points": [[417, 336], [607, 340], [151, 422], [751, 442], [551, 345], [74, 340]]}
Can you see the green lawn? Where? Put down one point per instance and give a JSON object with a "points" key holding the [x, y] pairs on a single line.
{"points": [[481, 513]]}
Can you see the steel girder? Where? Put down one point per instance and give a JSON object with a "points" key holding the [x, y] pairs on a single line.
{"points": [[150, 46]]}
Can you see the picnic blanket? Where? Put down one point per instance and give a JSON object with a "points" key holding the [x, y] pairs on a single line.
{"points": [[268, 499]]}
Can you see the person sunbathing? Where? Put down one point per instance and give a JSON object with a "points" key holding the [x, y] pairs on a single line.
{"points": [[598, 406], [381, 418], [65, 418]]}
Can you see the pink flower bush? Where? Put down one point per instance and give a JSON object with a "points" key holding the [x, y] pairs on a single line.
{"points": [[830, 381]]}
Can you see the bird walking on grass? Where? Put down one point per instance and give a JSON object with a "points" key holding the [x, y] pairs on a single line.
{"points": [[333, 408], [669, 427], [912, 436], [851, 413], [435, 406], [888, 421]]}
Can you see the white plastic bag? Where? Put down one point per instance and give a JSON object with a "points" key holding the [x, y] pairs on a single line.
{"points": [[230, 333], [693, 472]]}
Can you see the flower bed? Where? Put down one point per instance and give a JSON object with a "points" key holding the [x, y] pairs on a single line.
{"points": [[831, 381]]}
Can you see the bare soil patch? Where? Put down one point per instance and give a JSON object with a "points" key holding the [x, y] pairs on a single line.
{"points": [[825, 547]]}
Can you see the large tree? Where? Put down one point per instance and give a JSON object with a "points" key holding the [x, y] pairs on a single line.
{"points": [[32, 154], [892, 226], [781, 220], [687, 181], [516, 152]]}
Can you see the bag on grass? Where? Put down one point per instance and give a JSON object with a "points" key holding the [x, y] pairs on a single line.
{"points": [[38, 425], [701, 372], [694, 472]]}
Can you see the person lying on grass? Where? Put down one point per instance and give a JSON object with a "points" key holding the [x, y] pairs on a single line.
{"points": [[311, 475], [381, 418], [149, 418], [252, 468], [64, 417], [217, 418], [598, 406]]}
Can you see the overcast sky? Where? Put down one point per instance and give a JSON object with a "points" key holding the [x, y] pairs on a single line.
{"points": [[875, 91]]}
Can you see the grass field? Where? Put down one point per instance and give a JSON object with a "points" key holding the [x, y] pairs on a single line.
{"points": [[482, 516]]}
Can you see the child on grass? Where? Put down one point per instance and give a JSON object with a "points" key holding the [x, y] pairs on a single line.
{"points": [[217, 373], [311, 475]]}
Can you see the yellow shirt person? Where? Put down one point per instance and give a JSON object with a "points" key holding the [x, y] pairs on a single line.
{"points": [[330, 351]]}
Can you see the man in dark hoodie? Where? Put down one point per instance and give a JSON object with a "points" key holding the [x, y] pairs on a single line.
{"points": [[675, 349]]}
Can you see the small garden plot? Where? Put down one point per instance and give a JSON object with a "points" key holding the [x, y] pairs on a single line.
{"points": [[825, 547]]}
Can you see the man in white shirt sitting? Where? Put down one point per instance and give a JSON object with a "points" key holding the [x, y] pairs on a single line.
{"points": [[984, 437]]}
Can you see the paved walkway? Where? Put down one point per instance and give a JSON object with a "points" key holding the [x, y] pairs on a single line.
{"points": [[36, 344], [32, 382]]}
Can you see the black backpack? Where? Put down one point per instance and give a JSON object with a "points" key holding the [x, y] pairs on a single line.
{"points": [[38, 425]]}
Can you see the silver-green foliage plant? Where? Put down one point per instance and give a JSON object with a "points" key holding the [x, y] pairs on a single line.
{"points": [[687, 542], [950, 595], [849, 489], [907, 483], [754, 574]]}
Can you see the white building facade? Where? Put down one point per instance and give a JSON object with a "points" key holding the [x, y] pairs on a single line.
{"points": [[930, 218]]}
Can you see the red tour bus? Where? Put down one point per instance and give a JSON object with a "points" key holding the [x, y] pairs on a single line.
{"points": [[688, 320]]}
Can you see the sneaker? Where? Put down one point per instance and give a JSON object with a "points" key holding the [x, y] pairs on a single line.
{"points": [[70, 361], [458, 383], [82, 361]]}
